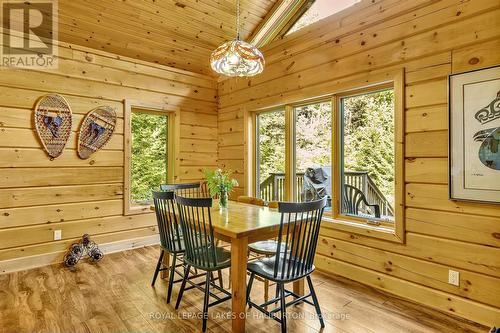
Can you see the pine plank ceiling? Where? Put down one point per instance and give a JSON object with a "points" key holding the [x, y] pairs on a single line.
{"points": [[177, 33]]}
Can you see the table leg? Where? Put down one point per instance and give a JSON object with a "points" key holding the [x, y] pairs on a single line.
{"points": [[298, 287], [239, 282], [166, 263]]}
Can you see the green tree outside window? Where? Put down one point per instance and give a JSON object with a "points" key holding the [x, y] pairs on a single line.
{"points": [[149, 155]]}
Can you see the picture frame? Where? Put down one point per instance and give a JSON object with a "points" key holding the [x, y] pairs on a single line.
{"points": [[474, 135]]}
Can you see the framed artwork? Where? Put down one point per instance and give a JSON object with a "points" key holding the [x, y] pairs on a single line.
{"points": [[474, 143]]}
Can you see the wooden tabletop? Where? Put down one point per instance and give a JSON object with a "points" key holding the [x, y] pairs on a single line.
{"points": [[242, 220]]}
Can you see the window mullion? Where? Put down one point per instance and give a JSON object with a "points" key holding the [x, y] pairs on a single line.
{"points": [[289, 152], [335, 156]]}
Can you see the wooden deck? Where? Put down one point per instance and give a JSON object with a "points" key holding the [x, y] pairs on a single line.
{"points": [[115, 296]]}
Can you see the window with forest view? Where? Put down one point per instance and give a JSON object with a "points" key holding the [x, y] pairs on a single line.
{"points": [[270, 153], [313, 151], [342, 147], [368, 155], [148, 156]]}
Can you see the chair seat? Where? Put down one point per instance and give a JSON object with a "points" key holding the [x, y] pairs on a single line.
{"points": [[265, 268], [267, 247], [223, 260]]}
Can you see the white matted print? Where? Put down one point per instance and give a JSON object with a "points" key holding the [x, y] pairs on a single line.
{"points": [[474, 114]]}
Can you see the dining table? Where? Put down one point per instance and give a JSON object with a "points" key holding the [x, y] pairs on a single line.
{"points": [[241, 224]]}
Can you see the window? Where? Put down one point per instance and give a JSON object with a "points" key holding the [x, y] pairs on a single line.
{"points": [[270, 153], [149, 153], [319, 10], [347, 147], [313, 151], [367, 156]]}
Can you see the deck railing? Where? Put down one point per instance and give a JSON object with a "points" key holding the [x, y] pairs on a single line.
{"points": [[273, 188]]}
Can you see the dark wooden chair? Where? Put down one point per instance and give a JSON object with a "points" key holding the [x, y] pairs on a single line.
{"points": [[265, 248], [191, 190], [298, 233], [201, 251], [352, 200], [171, 240]]}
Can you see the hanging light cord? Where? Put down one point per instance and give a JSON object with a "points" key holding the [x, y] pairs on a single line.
{"points": [[238, 20]]}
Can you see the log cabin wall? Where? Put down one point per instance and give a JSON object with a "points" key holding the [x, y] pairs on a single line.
{"points": [[38, 196], [430, 40]]}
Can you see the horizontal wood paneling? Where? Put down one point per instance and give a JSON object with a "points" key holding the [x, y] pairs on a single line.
{"points": [[430, 40], [9, 257], [36, 157], [426, 170], [468, 256], [27, 138], [26, 177], [437, 40], [427, 144], [476, 56], [39, 195], [416, 27], [17, 118], [431, 118], [26, 98], [74, 229], [33, 196], [428, 93], [13, 217], [462, 227], [473, 285], [443, 301], [434, 196], [97, 89], [108, 60]]}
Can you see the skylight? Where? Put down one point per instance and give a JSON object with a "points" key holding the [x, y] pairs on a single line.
{"points": [[319, 10]]}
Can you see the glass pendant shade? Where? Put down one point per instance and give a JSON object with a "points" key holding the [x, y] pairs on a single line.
{"points": [[237, 58]]}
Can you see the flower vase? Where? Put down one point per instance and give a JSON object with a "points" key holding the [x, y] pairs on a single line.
{"points": [[223, 200]]}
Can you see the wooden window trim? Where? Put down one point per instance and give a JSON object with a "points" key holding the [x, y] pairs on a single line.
{"points": [[282, 16], [356, 224], [172, 142], [339, 221]]}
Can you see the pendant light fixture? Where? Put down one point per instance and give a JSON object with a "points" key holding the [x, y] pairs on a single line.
{"points": [[237, 57]]}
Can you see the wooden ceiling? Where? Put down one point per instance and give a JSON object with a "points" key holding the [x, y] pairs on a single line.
{"points": [[177, 33]]}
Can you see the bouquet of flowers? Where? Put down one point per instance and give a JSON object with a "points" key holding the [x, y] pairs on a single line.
{"points": [[220, 184]]}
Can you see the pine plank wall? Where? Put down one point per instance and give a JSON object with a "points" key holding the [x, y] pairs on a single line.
{"points": [[430, 40], [38, 196]]}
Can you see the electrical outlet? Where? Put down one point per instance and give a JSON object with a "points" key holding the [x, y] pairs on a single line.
{"points": [[453, 277], [57, 234]]}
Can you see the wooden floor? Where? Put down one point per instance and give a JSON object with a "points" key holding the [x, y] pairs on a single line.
{"points": [[115, 296]]}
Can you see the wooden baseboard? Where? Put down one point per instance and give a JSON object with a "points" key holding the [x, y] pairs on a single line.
{"points": [[19, 264], [451, 304]]}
